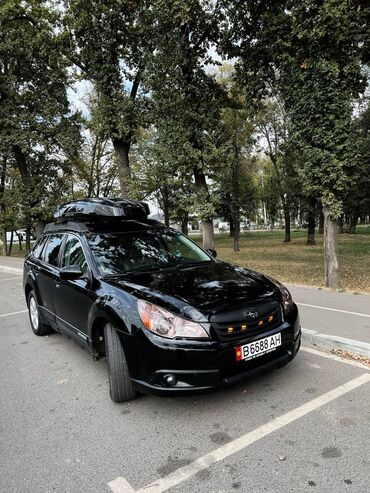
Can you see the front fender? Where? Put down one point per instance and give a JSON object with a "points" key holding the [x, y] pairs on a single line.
{"points": [[117, 311]]}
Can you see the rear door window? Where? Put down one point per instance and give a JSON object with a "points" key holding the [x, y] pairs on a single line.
{"points": [[51, 251]]}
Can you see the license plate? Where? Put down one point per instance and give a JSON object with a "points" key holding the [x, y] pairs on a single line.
{"points": [[258, 348]]}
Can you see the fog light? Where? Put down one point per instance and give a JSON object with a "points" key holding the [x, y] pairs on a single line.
{"points": [[170, 380]]}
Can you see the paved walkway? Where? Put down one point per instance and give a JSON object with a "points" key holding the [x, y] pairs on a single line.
{"points": [[336, 314], [12, 262]]}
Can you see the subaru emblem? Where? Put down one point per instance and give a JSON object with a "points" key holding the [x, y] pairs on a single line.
{"points": [[251, 314]]}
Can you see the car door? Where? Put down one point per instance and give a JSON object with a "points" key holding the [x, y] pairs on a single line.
{"points": [[47, 271], [74, 297]]}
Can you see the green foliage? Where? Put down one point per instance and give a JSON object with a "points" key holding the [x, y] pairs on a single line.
{"points": [[38, 134], [186, 98], [157, 178], [357, 200], [108, 42], [315, 62]]}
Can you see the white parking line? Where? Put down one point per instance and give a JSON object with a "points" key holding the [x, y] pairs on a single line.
{"points": [[9, 279], [12, 313], [120, 485], [334, 310]]}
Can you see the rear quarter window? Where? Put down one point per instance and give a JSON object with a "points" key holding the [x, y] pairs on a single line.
{"points": [[39, 245]]}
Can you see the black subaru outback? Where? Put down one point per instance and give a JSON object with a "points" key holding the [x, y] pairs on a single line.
{"points": [[169, 317]]}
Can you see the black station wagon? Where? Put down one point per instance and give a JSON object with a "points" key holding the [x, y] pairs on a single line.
{"points": [[169, 317]]}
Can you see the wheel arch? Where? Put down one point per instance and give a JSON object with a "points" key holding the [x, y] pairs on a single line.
{"points": [[29, 286], [97, 320]]}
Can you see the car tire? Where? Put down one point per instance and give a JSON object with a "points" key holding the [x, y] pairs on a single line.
{"points": [[38, 326], [120, 386]]}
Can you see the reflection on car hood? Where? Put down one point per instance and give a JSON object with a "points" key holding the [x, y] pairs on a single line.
{"points": [[211, 288]]}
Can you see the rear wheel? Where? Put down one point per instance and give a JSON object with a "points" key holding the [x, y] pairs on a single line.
{"points": [[120, 386], [38, 326]]}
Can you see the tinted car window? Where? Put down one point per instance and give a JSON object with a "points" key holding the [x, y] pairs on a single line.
{"points": [[73, 254], [37, 249], [117, 254], [51, 251]]}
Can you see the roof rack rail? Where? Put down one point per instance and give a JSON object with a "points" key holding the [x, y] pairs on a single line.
{"points": [[66, 225], [101, 209]]}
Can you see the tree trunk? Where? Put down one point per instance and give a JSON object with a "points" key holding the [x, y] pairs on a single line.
{"points": [[236, 235], [121, 151], [2, 206], [166, 216], [264, 213], [235, 207], [207, 224], [286, 210], [340, 225], [19, 241], [311, 222], [184, 223], [9, 252], [353, 223], [311, 229], [208, 234], [232, 226], [331, 262], [39, 228], [4, 248], [321, 223], [287, 238], [28, 238]]}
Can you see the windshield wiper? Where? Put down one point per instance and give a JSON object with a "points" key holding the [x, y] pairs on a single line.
{"points": [[185, 265], [156, 268]]}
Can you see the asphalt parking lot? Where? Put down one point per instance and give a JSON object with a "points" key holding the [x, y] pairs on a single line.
{"points": [[302, 428]]}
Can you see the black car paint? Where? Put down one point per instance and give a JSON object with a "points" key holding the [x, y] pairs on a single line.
{"points": [[82, 307]]}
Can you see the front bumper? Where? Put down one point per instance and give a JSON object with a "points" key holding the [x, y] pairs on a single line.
{"points": [[202, 366]]}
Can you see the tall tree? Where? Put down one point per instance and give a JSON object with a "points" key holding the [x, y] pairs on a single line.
{"points": [[155, 176], [107, 41], [357, 200], [36, 127], [233, 145], [3, 174], [325, 76], [271, 122], [186, 97]]}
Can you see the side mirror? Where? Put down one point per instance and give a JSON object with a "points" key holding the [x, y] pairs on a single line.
{"points": [[212, 252], [71, 272]]}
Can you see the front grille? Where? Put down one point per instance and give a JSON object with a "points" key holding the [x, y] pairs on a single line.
{"points": [[270, 316]]}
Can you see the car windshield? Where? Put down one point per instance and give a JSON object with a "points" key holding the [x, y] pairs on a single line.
{"points": [[118, 254]]}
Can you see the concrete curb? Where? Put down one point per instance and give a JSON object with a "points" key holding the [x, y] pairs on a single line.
{"points": [[13, 270], [335, 342]]}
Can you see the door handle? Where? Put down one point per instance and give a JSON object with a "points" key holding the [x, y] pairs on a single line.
{"points": [[57, 285]]}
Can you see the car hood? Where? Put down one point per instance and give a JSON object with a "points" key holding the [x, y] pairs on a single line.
{"points": [[211, 288]]}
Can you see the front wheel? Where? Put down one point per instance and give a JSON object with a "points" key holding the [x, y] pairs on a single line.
{"points": [[120, 386]]}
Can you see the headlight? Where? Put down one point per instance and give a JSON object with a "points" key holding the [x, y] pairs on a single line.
{"points": [[286, 297], [165, 324]]}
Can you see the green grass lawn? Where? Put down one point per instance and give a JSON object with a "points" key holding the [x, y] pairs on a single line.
{"points": [[296, 262]]}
